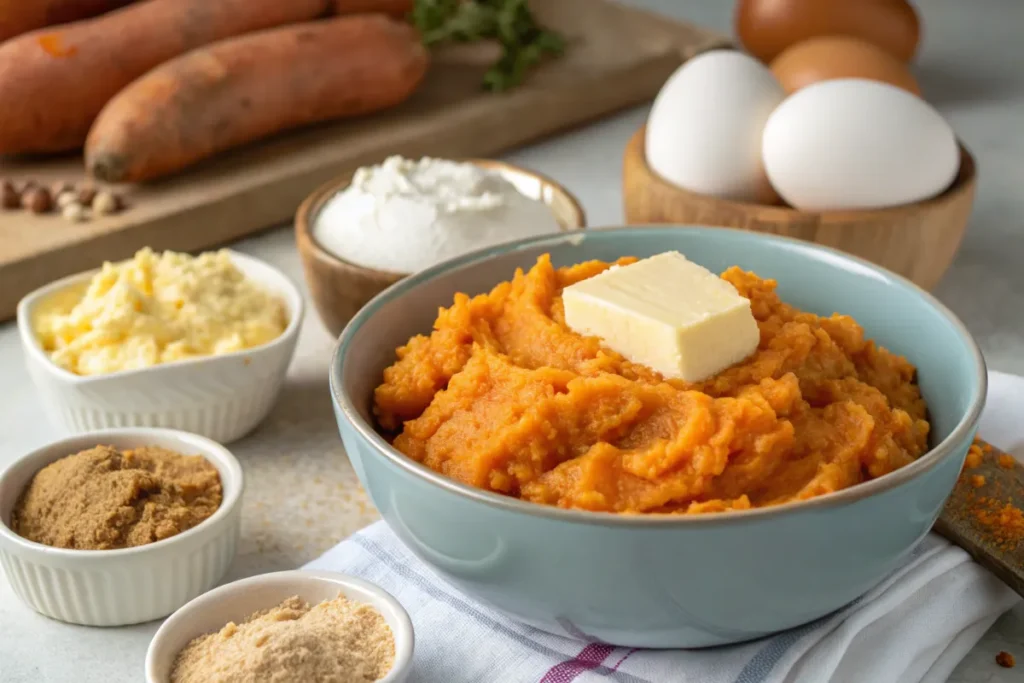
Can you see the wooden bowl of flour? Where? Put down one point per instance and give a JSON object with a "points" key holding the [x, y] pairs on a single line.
{"points": [[339, 288]]}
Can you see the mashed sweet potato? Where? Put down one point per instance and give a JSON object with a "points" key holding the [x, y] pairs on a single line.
{"points": [[503, 396]]}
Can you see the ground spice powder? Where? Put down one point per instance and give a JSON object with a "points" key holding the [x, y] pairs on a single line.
{"points": [[104, 499], [1004, 521], [1001, 520], [335, 641]]}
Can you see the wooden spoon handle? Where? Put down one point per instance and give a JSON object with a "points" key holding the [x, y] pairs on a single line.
{"points": [[986, 488]]}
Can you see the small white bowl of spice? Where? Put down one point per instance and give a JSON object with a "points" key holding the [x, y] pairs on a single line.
{"points": [[289, 627], [198, 343], [120, 526], [361, 233]]}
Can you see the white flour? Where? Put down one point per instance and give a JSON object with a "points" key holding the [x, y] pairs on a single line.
{"points": [[404, 215]]}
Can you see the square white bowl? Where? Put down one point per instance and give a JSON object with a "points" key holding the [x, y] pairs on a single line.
{"points": [[222, 397], [125, 585]]}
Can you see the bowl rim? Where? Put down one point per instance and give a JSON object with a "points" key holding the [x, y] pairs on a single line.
{"points": [[314, 203], [30, 340], [232, 488], [404, 635], [926, 462]]}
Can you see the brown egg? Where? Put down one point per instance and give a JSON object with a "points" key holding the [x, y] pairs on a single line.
{"points": [[830, 57], [767, 27]]}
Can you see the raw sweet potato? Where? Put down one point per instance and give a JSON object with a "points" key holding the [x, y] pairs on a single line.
{"points": [[53, 82], [246, 88], [21, 16], [399, 9]]}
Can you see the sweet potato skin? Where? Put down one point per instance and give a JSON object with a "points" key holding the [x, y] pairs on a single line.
{"points": [[53, 82], [247, 88], [21, 16], [399, 9]]}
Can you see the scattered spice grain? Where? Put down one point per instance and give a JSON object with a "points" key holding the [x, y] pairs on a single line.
{"points": [[974, 456], [336, 640], [1000, 520], [1006, 660], [103, 498], [1004, 521]]}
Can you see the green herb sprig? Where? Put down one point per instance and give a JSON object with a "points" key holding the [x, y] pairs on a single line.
{"points": [[524, 43]]}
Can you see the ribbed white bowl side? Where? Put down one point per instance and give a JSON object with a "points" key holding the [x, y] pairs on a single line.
{"points": [[222, 400], [221, 397], [223, 422], [138, 589]]}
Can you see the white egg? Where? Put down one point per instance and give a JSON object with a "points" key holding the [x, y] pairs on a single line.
{"points": [[704, 130], [857, 144]]}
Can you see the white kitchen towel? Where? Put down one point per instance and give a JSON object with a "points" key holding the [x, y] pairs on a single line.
{"points": [[913, 628]]}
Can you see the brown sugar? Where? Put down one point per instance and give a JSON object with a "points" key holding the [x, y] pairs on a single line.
{"points": [[103, 498], [336, 640], [1005, 660]]}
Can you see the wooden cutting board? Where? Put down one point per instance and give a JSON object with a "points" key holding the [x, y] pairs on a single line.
{"points": [[1000, 481], [617, 57]]}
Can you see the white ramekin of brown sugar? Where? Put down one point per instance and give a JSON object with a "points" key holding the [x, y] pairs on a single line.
{"points": [[124, 585]]}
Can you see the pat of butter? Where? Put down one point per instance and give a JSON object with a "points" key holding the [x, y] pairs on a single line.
{"points": [[667, 313]]}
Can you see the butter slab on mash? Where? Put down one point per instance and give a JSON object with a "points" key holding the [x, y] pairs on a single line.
{"points": [[667, 313]]}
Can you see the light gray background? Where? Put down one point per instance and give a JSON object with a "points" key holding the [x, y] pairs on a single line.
{"points": [[302, 496]]}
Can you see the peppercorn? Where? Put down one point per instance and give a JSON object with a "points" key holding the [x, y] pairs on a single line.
{"points": [[10, 198], [37, 200], [86, 193]]}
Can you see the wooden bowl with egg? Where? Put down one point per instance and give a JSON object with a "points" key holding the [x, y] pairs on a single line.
{"points": [[339, 287], [918, 240]]}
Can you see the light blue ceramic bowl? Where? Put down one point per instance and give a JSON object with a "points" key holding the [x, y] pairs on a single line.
{"points": [[668, 581]]}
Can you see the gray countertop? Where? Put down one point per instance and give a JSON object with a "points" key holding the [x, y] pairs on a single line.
{"points": [[302, 495]]}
